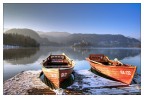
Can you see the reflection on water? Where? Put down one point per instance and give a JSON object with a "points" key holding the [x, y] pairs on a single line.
{"points": [[110, 52], [20, 56], [33, 54], [30, 58], [19, 53], [67, 82]]}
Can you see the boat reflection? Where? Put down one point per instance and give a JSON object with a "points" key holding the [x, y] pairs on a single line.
{"points": [[67, 82]]}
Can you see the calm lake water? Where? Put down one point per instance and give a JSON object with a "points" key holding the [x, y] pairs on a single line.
{"points": [[22, 59]]}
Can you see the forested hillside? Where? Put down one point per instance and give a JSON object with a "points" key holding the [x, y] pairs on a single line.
{"points": [[19, 40], [32, 34]]}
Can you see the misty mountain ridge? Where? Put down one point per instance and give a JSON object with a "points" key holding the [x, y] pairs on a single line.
{"points": [[78, 40], [103, 40], [53, 34], [30, 33], [25, 32]]}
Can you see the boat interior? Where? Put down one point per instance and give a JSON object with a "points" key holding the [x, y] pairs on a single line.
{"points": [[99, 58], [56, 61]]}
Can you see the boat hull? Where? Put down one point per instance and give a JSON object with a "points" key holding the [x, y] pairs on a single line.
{"points": [[123, 74], [57, 75]]}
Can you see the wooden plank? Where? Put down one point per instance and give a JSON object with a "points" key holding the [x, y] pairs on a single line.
{"points": [[35, 91]]}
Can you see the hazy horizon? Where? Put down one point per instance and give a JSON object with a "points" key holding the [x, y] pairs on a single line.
{"points": [[89, 18]]}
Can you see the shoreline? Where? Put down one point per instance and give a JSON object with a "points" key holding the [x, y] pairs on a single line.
{"points": [[18, 47], [86, 83]]}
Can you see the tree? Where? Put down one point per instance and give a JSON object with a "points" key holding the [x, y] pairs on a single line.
{"points": [[19, 40]]}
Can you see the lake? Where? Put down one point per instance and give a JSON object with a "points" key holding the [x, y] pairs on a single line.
{"points": [[23, 59]]}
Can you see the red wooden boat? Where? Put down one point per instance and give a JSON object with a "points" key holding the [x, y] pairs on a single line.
{"points": [[57, 68], [112, 68]]}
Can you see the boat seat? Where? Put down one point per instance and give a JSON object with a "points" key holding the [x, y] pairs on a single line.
{"points": [[106, 63], [116, 63], [56, 66], [101, 58], [97, 57], [57, 63]]}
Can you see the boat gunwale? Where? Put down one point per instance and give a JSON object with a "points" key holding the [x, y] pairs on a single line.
{"points": [[61, 68], [109, 65], [69, 65]]}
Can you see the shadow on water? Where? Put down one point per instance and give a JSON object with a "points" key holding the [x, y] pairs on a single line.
{"points": [[67, 82], [100, 74]]}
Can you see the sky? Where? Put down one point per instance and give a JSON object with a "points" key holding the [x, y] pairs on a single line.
{"points": [[87, 18]]}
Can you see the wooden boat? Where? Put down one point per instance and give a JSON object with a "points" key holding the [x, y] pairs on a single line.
{"points": [[57, 68], [112, 68]]}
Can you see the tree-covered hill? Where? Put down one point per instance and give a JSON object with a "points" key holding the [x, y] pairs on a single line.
{"points": [[32, 34], [19, 40]]}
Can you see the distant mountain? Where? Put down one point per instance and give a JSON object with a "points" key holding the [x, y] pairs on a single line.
{"points": [[54, 34], [78, 40], [5, 29], [139, 39], [58, 37], [92, 40], [32, 34], [25, 32], [103, 40]]}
